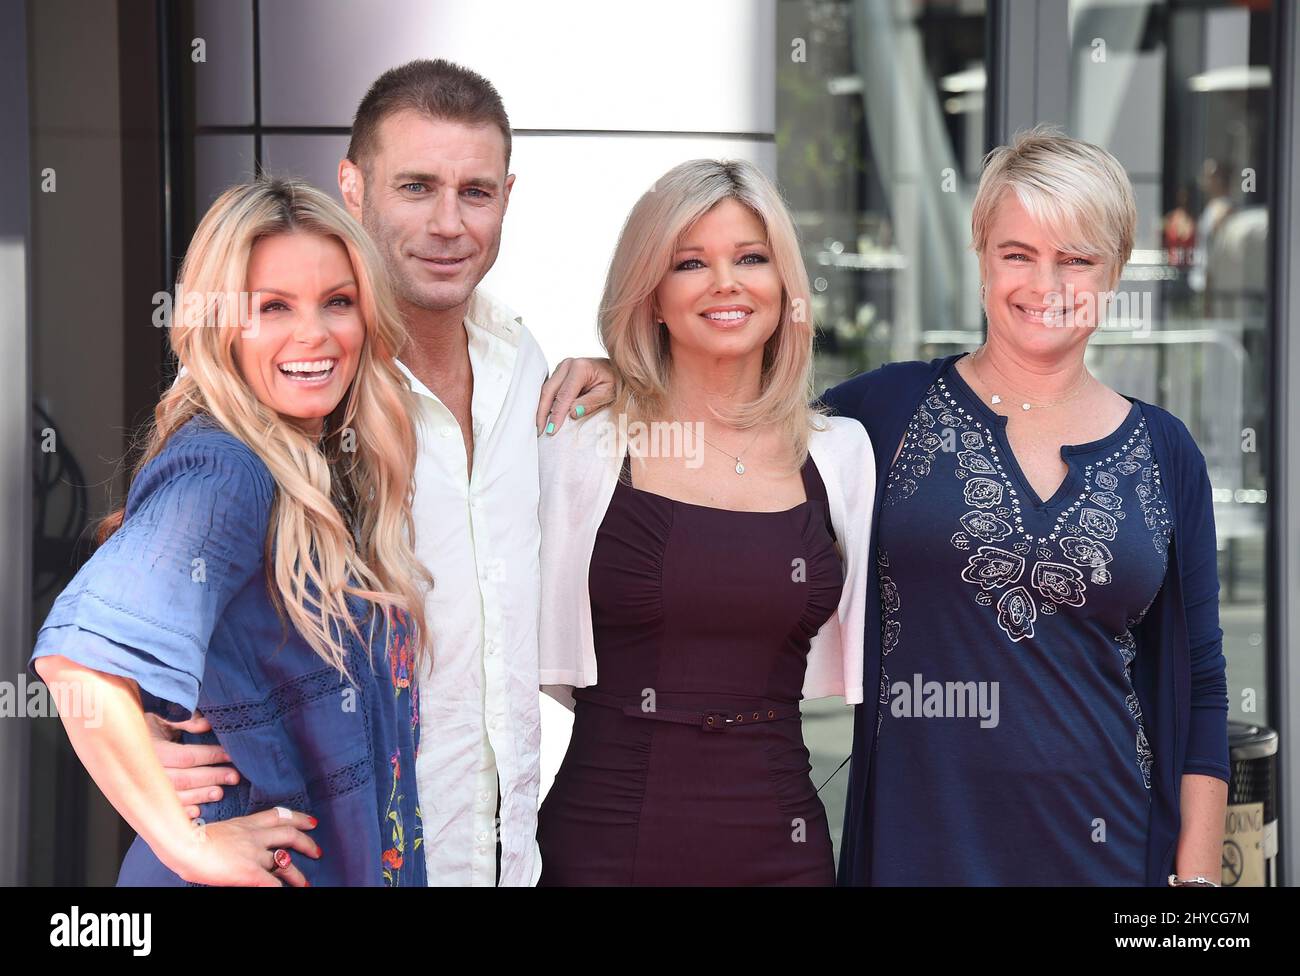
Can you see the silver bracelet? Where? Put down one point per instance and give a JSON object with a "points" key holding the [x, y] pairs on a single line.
{"points": [[1200, 881]]}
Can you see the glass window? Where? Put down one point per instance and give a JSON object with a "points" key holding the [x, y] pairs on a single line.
{"points": [[880, 134], [219, 162], [1181, 92], [221, 31], [314, 158]]}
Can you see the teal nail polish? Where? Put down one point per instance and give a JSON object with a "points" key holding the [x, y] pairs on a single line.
{"points": [[579, 410], [550, 427]]}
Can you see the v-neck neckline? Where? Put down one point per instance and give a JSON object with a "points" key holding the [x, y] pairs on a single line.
{"points": [[997, 423]]}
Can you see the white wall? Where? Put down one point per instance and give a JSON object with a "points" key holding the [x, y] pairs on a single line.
{"points": [[596, 122]]}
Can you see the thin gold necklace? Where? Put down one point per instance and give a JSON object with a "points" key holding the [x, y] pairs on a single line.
{"points": [[1025, 404]]}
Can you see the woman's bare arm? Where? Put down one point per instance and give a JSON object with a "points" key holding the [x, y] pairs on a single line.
{"points": [[1204, 802], [118, 752], [112, 741]]}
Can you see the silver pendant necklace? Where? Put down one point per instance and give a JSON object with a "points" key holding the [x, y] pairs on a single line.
{"points": [[1025, 404], [740, 465]]}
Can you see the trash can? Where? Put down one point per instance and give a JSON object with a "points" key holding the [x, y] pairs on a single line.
{"points": [[1250, 830]]}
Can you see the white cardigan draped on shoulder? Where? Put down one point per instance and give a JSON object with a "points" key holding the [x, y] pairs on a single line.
{"points": [[580, 466]]}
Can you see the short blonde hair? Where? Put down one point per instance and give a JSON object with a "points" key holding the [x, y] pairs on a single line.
{"points": [[639, 348], [1077, 191]]}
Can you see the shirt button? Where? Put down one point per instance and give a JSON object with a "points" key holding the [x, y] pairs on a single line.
{"points": [[483, 836], [447, 431], [491, 648]]}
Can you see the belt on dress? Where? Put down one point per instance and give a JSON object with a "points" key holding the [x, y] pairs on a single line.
{"points": [[709, 720]]}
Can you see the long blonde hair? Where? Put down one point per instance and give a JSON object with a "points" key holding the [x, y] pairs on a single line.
{"points": [[639, 348], [341, 519]]}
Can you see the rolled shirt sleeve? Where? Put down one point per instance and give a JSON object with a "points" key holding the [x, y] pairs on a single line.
{"points": [[145, 605]]}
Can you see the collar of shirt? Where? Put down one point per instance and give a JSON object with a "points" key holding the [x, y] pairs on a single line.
{"points": [[494, 333]]}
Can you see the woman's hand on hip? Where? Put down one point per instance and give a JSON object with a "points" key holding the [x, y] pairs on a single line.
{"points": [[241, 851]]}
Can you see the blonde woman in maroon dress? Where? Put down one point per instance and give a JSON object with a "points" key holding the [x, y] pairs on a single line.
{"points": [[695, 588]]}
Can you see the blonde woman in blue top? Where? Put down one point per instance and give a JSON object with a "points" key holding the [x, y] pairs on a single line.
{"points": [[1046, 547], [262, 568]]}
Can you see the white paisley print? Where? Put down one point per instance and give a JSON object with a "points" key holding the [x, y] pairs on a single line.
{"points": [[890, 628]]}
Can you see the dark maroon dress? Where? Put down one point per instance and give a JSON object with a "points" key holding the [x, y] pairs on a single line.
{"points": [[687, 763]]}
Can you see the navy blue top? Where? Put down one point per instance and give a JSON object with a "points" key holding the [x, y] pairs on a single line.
{"points": [[1178, 669], [178, 600], [1010, 747]]}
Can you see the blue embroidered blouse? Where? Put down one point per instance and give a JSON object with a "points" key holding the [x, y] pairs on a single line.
{"points": [[178, 600], [1009, 743], [1176, 667]]}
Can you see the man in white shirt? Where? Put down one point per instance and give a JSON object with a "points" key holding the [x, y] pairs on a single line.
{"points": [[427, 174]]}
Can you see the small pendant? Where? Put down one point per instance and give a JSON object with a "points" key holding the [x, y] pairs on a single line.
{"points": [[1024, 406], [740, 468], [996, 399]]}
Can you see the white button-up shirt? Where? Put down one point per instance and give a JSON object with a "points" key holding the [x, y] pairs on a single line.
{"points": [[479, 537]]}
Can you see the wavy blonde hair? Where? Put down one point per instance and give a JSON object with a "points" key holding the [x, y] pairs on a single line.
{"points": [[341, 518], [639, 348]]}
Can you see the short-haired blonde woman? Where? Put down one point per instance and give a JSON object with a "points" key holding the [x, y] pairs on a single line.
{"points": [[695, 590], [262, 568], [1044, 624]]}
